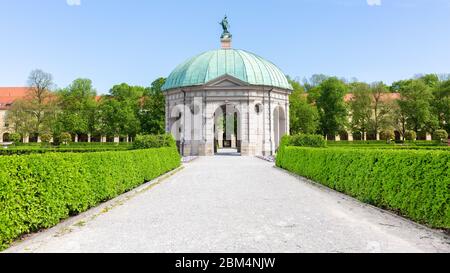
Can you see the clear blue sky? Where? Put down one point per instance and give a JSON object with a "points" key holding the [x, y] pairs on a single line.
{"points": [[136, 41]]}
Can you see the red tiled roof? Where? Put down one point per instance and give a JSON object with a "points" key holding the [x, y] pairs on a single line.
{"points": [[10, 94]]}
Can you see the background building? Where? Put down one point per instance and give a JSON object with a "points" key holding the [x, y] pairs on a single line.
{"points": [[7, 97]]}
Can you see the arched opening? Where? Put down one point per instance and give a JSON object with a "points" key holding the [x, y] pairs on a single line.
{"points": [[34, 137], [96, 138], [83, 138], [227, 137], [279, 125], [421, 135], [371, 135], [343, 135], [6, 137], [176, 126], [357, 136]]}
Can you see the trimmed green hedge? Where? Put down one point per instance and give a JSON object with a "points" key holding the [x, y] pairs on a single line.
{"points": [[415, 184], [37, 191], [154, 141], [307, 140]]}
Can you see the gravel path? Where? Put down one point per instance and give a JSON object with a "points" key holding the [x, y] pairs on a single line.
{"points": [[235, 204]]}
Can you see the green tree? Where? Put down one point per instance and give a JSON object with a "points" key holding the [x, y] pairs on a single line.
{"points": [[414, 103], [41, 101], [303, 116], [381, 107], [314, 81], [431, 80], [331, 106], [20, 118], [77, 104], [441, 104], [397, 86], [35, 113], [360, 106], [153, 109], [118, 112], [398, 117]]}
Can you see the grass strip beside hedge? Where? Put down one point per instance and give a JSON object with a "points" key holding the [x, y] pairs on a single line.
{"points": [[414, 183], [39, 190]]}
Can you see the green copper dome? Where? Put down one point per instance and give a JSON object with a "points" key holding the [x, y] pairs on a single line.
{"points": [[240, 64]]}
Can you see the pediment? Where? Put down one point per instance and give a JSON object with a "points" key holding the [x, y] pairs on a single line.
{"points": [[226, 81]]}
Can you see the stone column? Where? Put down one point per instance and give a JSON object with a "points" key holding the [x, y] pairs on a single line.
{"points": [[116, 139], [247, 147], [206, 146], [89, 138], [233, 141], [1, 137], [26, 139], [350, 136], [378, 136], [167, 114], [103, 139], [267, 142], [187, 148], [76, 138], [39, 139], [337, 138], [429, 137], [220, 137], [253, 125]]}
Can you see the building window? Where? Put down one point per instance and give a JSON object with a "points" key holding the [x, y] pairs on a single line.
{"points": [[258, 108]]}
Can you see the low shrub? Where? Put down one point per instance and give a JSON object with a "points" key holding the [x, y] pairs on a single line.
{"points": [[306, 140], [410, 135], [64, 138], [387, 135], [39, 190], [415, 184], [15, 138], [153, 141], [46, 138], [440, 135]]}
